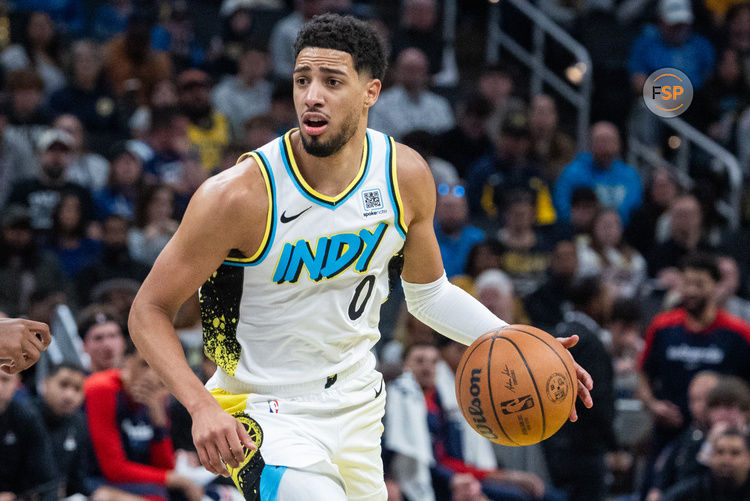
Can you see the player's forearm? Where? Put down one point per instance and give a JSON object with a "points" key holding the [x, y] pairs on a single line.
{"points": [[450, 310], [156, 339]]}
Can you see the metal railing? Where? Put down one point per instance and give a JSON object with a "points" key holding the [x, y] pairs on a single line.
{"points": [[689, 137], [578, 95]]}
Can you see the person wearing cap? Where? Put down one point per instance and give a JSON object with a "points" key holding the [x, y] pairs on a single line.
{"points": [[671, 43], [42, 193], [509, 167], [209, 130]]}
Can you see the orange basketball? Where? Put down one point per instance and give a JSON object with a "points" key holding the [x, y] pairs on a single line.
{"points": [[516, 385]]}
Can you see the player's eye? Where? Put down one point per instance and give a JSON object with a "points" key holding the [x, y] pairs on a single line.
{"points": [[301, 81], [333, 82]]}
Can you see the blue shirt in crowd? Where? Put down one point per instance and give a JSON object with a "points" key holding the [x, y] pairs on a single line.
{"points": [[619, 186], [650, 52], [455, 250]]}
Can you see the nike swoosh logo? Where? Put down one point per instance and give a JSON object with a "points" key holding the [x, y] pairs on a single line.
{"points": [[285, 219], [380, 390]]}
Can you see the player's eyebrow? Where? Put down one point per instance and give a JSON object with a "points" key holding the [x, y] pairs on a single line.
{"points": [[324, 69]]}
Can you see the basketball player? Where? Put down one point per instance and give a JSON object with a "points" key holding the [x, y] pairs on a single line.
{"points": [[21, 343], [290, 249]]}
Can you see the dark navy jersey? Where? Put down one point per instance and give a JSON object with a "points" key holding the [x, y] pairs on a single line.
{"points": [[674, 354]]}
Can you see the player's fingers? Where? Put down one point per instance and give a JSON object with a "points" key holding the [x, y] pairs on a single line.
{"points": [[568, 342], [9, 369], [214, 459], [245, 437], [32, 338], [237, 450], [41, 332], [573, 414], [584, 377], [204, 459], [585, 396], [30, 354], [226, 452]]}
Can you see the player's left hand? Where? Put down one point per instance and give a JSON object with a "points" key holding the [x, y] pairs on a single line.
{"points": [[585, 383]]}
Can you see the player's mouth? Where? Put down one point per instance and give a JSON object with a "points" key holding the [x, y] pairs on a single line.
{"points": [[314, 123]]}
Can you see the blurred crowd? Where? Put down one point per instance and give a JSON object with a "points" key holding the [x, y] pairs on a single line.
{"points": [[112, 113]]}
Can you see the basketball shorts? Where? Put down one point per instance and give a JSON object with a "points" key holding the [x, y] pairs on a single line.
{"points": [[318, 441]]}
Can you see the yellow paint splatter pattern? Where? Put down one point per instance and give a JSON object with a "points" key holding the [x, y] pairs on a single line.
{"points": [[220, 306]]}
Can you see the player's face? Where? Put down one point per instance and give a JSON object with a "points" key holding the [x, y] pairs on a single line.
{"points": [[331, 99], [730, 459], [105, 345], [63, 392]]}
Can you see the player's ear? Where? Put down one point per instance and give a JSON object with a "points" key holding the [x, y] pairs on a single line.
{"points": [[372, 91]]}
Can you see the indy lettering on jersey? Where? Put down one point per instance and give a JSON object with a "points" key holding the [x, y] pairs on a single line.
{"points": [[332, 256]]}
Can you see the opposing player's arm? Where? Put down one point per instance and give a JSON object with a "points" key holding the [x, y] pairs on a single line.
{"points": [[227, 212]]}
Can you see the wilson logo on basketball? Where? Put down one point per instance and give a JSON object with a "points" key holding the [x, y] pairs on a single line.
{"points": [[475, 409], [557, 387], [517, 404]]}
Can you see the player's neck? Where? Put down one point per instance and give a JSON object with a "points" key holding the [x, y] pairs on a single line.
{"points": [[332, 174]]}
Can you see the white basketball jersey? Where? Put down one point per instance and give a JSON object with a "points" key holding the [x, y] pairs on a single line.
{"points": [[307, 304]]}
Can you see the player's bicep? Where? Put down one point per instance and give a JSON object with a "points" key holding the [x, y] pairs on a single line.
{"points": [[422, 261]]}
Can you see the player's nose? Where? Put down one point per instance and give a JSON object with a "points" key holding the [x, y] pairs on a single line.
{"points": [[313, 95]]}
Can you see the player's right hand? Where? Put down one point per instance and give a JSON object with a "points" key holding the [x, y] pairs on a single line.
{"points": [[21, 343], [219, 438]]}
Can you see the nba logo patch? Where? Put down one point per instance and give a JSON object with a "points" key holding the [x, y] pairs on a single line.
{"points": [[372, 200], [273, 406]]}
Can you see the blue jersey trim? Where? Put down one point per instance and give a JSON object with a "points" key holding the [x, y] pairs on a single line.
{"points": [[270, 479]]}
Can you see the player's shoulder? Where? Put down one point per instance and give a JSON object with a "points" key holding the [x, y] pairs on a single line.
{"points": [[238, 188]]}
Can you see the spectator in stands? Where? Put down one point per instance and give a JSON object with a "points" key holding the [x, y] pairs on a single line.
{"points": [[663, 188], [38, 50], [737, 29], [671, 44], [454, 233], [616, 183], [132, 67], [497, 83], [468, 141], [679, 343], [728, 478], [28, 465], [285, 33], [420, 27], [525, 250], [418, 409], [27, 115], [485, 255], [607, 255], [282, 107], [624, 326], [494, 289], [551, 148], [42, 193], [100, 329], [589, 438], [584, 206], [208, 131], [547, 305], [407, 331], [114, 261], [60, 409], [714, 401], [88, 95], [17, 160], [685, 235], [68, 238], [24, 267], [86, 168], [124, 182], [111, 18], [727, 288], [248, 93], [510, 168], [154, 225], [177, 37], [409, 105], [426, 144], [127, 417]]}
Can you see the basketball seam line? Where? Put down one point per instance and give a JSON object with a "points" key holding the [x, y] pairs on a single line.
{"points": [[570, 378], [538, 395], [489, 388], [461, 377]]}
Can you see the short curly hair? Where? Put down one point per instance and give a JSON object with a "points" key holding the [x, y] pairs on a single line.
{"points": [[347, 34]]}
